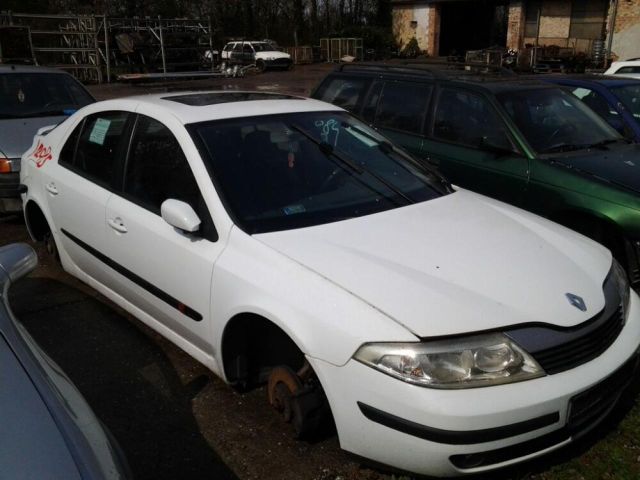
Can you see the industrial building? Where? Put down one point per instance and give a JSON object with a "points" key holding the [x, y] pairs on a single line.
{"points": [[452, 27]]}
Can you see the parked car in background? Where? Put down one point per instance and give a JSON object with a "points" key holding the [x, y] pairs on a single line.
{"points": [[615, 99], [263, 54], [279, 240], [48, 430], [522, 141], [627, 68], [30, 98]]}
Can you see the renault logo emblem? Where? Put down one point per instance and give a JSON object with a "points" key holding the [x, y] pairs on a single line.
{"points": [[576, 301]]}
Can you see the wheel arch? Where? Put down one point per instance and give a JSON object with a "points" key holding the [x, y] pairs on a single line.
{"points": [[36, 220], [252, 343]]}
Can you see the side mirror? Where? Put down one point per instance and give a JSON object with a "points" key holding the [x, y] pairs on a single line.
{"points": [[17, 260], [487, 145], [180, 215]]}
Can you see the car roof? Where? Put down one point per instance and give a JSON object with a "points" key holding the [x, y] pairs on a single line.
{"points": [[6, 68], [195, 107], [625, 63], [605, 80], [496, 79]]}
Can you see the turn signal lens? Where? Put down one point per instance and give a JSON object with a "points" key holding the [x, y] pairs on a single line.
{"points": [[5, 165]]}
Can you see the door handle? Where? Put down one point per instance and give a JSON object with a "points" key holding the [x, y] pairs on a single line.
{"points": [[51, 188], [117, 225]]}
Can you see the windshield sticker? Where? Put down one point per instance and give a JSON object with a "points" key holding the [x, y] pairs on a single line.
{"points": [[367, 141], [293, 209], [41, 154], [328, 129], [99, 131], [21, 96]]}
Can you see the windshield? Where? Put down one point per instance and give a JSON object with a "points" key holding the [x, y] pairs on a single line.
{"points": [[630, 98], [553, 120], [263, 47], [280, 172], [25, 95]]}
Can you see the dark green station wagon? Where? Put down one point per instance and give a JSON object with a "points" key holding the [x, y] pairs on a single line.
{"points": [[518, 140]]}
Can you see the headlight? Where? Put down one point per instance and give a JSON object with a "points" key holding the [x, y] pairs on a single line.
{"points": [[622, 283], [478, 361]]}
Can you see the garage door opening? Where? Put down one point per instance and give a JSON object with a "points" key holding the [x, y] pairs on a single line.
{"points": [[472, 25]]}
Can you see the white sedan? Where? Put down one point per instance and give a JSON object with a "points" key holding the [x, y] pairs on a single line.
{"points": [[279, 240]]}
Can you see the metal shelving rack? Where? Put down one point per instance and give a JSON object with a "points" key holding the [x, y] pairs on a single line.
{"points": [[68, 42], [86, 45]]}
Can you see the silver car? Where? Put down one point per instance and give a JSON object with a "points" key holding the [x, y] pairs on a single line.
{"points": [[48, 430], [30, 98]]}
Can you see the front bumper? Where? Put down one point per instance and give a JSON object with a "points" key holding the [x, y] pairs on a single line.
{"points": [[278, 63], [475, 430]]}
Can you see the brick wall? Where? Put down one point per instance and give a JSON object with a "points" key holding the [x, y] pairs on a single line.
{"points": [[515, 28], [626, 32], [433, 33], [410, 21]]}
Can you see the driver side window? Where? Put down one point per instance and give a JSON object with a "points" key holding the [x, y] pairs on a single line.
{"points": [[157, 168], [468, 119]]}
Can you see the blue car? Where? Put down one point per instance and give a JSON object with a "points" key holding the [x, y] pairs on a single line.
{"points": [[617, 100]]}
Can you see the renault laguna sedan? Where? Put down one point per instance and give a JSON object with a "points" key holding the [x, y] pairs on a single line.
{"points": [[280, 241]]}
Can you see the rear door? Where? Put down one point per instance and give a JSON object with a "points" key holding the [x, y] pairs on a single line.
{"points": [[470, 143], [79, 188], [164, 272], [398, 109]]}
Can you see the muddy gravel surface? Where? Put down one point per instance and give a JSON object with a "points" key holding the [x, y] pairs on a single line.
{"points": [[172, 417]]}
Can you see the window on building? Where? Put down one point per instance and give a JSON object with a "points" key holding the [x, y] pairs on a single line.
{"points": [[531, 18], [588, 19]]}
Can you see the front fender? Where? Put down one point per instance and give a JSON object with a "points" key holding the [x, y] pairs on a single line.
{"points": [[323, 320]]}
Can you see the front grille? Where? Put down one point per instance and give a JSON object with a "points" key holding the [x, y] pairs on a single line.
{"points": [[583, 348]]}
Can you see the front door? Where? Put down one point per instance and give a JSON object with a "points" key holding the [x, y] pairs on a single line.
{"points": [[165, 272], [469, 143]]}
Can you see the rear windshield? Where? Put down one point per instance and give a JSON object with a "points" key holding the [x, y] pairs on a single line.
{"points": [[630, 97], [25, 95], [280, 172], [553, 120]]}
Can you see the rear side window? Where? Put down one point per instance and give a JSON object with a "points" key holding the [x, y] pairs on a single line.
{"points": [[624, 70], [157, 168], [343, 92], [596, 102], [101, 143], [68, 152], [402, 106]]}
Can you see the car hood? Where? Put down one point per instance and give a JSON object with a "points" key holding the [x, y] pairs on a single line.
{"points": [[456, 264], [619, 165], [16, 135], [272, 54]]}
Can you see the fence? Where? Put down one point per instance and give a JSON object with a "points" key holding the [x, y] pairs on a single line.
{"points": [[334, 49]]}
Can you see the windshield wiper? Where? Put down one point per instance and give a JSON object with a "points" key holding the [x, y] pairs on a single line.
{"points": [[603, 144], [330, 152], [567, 147], [564, 147]]}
